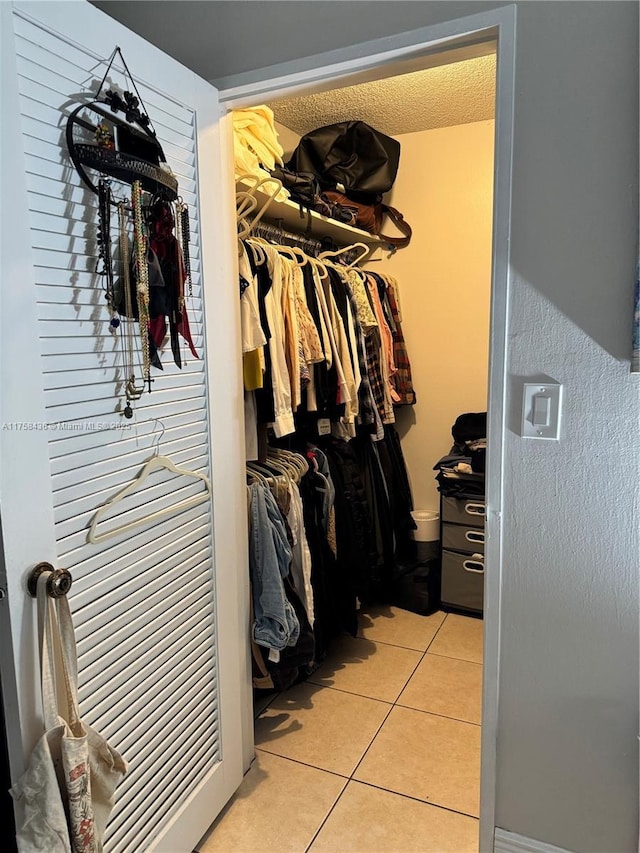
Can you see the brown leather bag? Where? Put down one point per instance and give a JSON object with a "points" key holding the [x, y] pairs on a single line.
{"points": [[370, 217]]}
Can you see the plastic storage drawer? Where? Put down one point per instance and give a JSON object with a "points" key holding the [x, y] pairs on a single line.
{"points": [[459, 537], [469, 511], [463, 580]]}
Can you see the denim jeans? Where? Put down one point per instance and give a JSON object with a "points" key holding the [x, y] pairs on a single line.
{"points": [[275, 624]]}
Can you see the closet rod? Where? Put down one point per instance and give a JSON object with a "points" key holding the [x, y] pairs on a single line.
{"points": [[275, 232]]}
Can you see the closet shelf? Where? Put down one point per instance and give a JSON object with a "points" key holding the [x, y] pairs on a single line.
{"points": [[288, 215]]}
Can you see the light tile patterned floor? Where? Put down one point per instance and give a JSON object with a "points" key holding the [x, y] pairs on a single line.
{"points": [[379, 752]]}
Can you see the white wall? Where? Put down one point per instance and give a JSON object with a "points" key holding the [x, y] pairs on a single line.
{"points": [[444, 189], [568, 723]]}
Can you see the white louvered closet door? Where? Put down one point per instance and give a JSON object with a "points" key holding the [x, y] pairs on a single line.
{"points": [[161, 638]]}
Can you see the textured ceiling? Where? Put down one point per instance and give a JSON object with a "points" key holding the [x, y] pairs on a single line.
{"points": [[444, 96]]}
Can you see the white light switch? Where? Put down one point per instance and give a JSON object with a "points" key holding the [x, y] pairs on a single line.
{"points": [[541, 410]]}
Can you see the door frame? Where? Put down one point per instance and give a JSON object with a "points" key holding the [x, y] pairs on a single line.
{"points": [[391, 55]]}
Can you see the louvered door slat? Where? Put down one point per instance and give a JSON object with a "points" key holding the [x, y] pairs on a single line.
{"points": [[187, 753], [134, 671], [62, 446], [181, 790], [145, 740], [134, 636], [178, 439], [143, 601], [137, 697], [134, 729], [153, 574], [199, 763], [194, 525], [105, 480]]}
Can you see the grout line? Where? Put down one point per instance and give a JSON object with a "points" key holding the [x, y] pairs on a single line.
{"points": [[303, 763], [413, 672], [337, 690], [436, 633], [364, 754], [435, 714], [361, 695], [416, 799], [452, 657], [327, 816], [392, 645], [391, 705]]}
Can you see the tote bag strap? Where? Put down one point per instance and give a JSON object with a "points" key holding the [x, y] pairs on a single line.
{"points": [[57, 654]]}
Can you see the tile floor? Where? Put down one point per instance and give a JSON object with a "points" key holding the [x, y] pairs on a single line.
{"points": [[379, 752]]}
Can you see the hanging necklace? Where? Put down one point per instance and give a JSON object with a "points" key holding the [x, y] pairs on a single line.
{"points": [[132, 392], [183, 229], [140, 243], [181, 261], [104, 248]]}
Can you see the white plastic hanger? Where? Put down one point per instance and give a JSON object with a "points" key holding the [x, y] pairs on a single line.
{"points": [[251, 193], [333, 255], [155, 463], [245, 204], [257, 251]]}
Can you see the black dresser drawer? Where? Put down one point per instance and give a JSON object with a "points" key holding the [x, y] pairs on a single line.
{"points": [[463, 581]]}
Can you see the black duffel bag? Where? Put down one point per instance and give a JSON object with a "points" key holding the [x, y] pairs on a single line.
{"points": [[350, 153]]}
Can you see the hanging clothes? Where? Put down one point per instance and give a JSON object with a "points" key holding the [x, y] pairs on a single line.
{"points": [[331, 357], [401, 380], [275, 623], [167, 299]]}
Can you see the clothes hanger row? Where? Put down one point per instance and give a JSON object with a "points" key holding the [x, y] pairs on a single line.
{"points": [[277, 234], [279, 463], [268, 473], [299, 257], [292, 252], [295, 461]]}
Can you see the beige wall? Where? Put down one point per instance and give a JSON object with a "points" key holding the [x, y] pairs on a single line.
{"points": [[444, 189], [287, 138]]}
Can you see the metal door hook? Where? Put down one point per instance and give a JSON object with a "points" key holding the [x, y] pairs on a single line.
{"points": [[58, 584]]}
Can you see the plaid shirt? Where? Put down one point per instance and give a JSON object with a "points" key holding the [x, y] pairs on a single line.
{"points": [[401, 381], [374, 371], [368, 415]]}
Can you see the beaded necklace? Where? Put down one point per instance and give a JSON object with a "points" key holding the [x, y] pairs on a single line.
{"points": [[183, 229], [104, 248], [132, 392], [140, 245]]}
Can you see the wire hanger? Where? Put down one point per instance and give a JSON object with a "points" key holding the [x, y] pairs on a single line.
{"points": [[154, 463]]}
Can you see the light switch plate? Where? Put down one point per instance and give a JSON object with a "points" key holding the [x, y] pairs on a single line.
{"points": [[541, 402]]}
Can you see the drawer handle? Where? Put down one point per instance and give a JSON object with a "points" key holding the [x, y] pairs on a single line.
{"points": [[474, 536], [474, 509], [470, 565]]}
